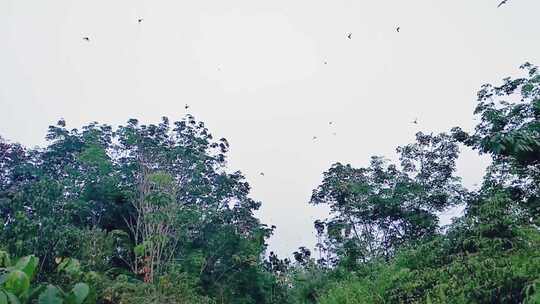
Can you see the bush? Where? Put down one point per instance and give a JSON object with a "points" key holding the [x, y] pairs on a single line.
{"points": [[173, 288], [16, 278]]}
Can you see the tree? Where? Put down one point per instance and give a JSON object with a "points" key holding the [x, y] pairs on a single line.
{"points": [[153, 197], [509, 131], [377, 209], [489, 255]]}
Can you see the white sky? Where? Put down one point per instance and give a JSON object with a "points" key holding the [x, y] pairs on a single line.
{"points": [[254, 72]]}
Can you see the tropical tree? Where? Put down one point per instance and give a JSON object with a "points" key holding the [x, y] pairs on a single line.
{"points": [[377, 209]]}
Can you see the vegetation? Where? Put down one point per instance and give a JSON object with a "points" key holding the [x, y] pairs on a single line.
{"points": [[151, 214], [16, 279]]}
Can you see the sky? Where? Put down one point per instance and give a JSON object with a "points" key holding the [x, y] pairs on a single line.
{"points": [[254, 71]]}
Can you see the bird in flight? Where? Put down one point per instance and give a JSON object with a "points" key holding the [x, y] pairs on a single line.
{"points": [[502, 3], [86, 38], [397, 29], [186, 106], [314, 137], [140, 20], [415, 121], [262, 173], [349, 35]]}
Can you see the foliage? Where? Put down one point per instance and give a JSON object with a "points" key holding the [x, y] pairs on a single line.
{"points": [[509, 131], [16, 278], [134, 199], [490, 255], [377, 209], [151, 214], [172, 288]]}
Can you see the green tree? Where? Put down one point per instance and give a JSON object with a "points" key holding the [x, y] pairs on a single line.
{"points": [[377, 209], [509, 131], [156, 196]]}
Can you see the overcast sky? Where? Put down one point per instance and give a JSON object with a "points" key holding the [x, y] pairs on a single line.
{"points": [[255, 73]]}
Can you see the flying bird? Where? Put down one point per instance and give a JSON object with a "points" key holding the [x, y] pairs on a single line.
{"points": [[186, 106], [262, 173], [86, 38], [502, 3], [397, 29], [415, 121], [349, 35], [140, 20], [314, 137]]}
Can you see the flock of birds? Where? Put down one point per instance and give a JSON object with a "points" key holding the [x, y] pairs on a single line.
{"points": [[348, 35]]}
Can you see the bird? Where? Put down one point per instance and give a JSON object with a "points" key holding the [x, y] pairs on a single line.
{"points": [[262, 173], [330, 122], [140, 20], [86, 38], [314, 137], [349, 35], [415, 121], [398, 28], [186, 106], [502, 3]]}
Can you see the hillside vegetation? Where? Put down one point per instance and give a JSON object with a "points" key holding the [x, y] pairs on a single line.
{"points": [[152, 214]]}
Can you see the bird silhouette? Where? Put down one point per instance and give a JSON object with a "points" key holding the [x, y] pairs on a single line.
{"points": [[86, 38], [262, 173], [314, 137], [186, 106], [397, 29], [140, 20], [415, 121], [502, 3], [349, 35]]}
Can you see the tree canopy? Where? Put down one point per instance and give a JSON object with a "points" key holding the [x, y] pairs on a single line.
{"points": [[151, 213]]}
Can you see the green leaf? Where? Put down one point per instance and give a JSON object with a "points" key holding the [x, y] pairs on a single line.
{"points": [[3, 298], [28, 265], [34, 293], [70, 266], [4, 259], [79, 293], [51, 295], [139, 250], [12, 298], [17, 282]]}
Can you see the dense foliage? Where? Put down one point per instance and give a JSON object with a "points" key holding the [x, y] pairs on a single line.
{"points": [[151, 214]]}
